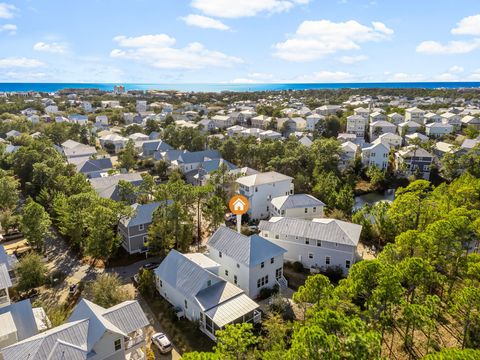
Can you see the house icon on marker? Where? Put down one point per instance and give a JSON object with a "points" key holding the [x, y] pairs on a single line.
{"points": [[239, 205]]}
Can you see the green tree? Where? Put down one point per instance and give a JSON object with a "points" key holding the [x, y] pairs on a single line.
{"points": [[31, 272], [127, 158], [35, 224], [235, 341], [9, 191], [106, 290]]}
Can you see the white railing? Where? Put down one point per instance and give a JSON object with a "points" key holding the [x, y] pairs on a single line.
{"points": [[257, 316], [135, 340]]}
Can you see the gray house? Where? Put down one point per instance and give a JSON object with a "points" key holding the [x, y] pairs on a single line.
{"points": [[134, 229], [151, 146]]}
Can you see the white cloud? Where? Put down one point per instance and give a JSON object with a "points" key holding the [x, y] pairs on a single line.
{"points": [[24, 76], [446, 77], [326, 76], [204, 22], [20, 62], [405, 77], [475, 75], [315, 39], [353, 59], [158, 51], [452, 47], [469, 25], [7, 11], [244, 8], [455, 69], [160, 40], [10, 28], [253, 78], [244, 81], [260, 76], [49, 47]]}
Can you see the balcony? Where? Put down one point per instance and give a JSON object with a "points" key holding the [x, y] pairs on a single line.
{"points": [[135, 355], [135, 340]]}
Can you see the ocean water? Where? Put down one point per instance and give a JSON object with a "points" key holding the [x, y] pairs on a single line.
{"points": [[52, 87]]}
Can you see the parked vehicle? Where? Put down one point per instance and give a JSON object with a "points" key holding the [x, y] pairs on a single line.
{"points": [[162, 343], [150, 266], [135, 279]]}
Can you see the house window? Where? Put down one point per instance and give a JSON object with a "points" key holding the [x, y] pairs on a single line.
{"points": [[219, 254], [283, 212], [161, 283], [307, 241], [186, 304], [235, 279], [117, 344], [310, 255], [141, 227], [327, 260], [262, 264], [319, 243], [306, 210], [314, 209], [238, 266], [256, 189], [276, 236], [336, 244], [272, 260], [347, 264], [266, 279], [259, 283], [145, 241], [226, 272]]}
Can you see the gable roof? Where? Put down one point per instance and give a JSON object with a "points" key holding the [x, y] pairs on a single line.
{"points": [[295, 201], [330, 230], [142, 214], [198, 156], [248, 250], [107, 187], [262, 178], [5, 281], [91, 165], [23, 319]]}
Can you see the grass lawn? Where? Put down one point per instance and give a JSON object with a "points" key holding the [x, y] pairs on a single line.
{"points": [[184, 334]]}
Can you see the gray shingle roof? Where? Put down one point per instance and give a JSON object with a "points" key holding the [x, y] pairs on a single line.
{"points": [[248, 250], [330, 230], [94, 165]]}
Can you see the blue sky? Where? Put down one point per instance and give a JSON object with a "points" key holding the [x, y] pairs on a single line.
{"points": [[224, 41]]}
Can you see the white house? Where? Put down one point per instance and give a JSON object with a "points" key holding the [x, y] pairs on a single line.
{"points": [[101, 119], [414, 114], [390, 139], [452, 119], [141, 106], [395, 118], [378, 128], [115, 141], [261, 121], [91, 332], [376, 154], [356, 124], [270, 134], [377, 116], [235, 130], [250, 262], [190, 282], [317, 243], [300, 206], [432, 117], [408, 127], [348, 155], [360, 111], [51, 109], [261, 188], [312, 121], [438, 129], [74, 150], [472, 121], [223, 121]]}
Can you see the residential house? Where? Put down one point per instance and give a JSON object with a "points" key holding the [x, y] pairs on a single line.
{"points": [[390, 139], [328, 110], [305, 141], [300, 206], [207, 125], [360, 111], [415, 114], [312, 121], [415, 137], [78, 119], [356, 124], [469, 120], [261, 188], [344, 137], [438, 129], [150, 147], [261, 121], [255, 132], [87, 106], [132, 118], [395, 118], [51, 109], [74, 150], [270, 134], [377, 116], [134, 229], [191, 283], [441, 148], [348, 155], [413, 160], [101, 120], [408, 127], [189, 161], [91, 332], [250, 262], [317, 244], [223, 121], [378, 128], [12, 134], [201, 174], [235, 130], [93, 168], [141, 106], [113, 142], [107, 187], [138, 137], [376, 155], [452, 119], [431, 117]]}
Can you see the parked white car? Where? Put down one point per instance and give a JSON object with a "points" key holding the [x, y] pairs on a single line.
{"points": [[162, 343]]}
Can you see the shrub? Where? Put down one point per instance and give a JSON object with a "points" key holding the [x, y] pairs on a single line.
{"points": [[334, 273], [31, 272], [266, 292], [298, 267]]}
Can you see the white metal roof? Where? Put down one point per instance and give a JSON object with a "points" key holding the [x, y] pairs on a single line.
{"points": [[231, 310], [262, 178]]}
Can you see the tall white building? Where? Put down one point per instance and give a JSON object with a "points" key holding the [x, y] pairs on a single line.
{"points": [[357, 124], [261, 188]]}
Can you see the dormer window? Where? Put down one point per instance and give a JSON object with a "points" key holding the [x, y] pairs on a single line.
{"points": [[219, 254], [141, 227]]}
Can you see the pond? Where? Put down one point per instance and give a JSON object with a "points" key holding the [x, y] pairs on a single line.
{"points": [[374, 197]]}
